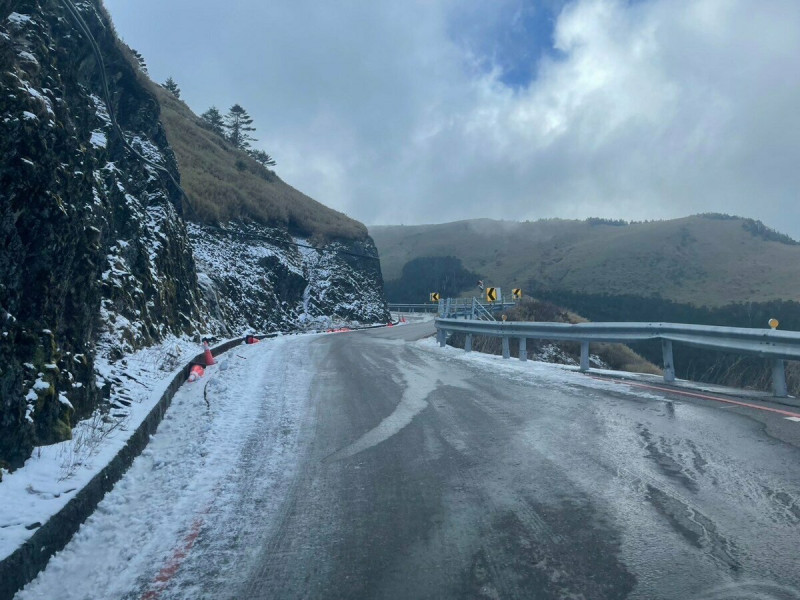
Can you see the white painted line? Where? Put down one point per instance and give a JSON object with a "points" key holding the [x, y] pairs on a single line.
{"points": [[795, 419]]}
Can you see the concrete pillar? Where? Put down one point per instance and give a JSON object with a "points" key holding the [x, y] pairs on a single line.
{"points": [[468, 343], [506, 351], [523, 348], [779, 379], [584, 357], [669, 364]]}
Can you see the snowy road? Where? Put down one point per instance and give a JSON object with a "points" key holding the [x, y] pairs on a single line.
{"points": [[370, 465]]}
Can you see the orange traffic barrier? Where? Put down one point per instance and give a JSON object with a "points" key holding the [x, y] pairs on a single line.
{"points": [[208, 356]]}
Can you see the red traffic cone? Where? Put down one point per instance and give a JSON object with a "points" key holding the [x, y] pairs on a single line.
{"points": [[195, 373], [208, 355]]}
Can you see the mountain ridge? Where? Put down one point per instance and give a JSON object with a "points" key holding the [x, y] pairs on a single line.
{"points": [[706, 259]]}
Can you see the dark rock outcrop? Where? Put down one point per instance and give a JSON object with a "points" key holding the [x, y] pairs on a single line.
{"points": [[94, 256], [262, 279]]}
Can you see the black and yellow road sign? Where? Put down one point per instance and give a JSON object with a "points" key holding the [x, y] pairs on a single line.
{"points": [[491, 294], [517, 293], [434, 296]]}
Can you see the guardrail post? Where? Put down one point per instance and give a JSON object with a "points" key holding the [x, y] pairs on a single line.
{"points": [[442, 338], [523, 348], [506, 351], [779, 379], [584, 357], [669, 364], [468, 343]]}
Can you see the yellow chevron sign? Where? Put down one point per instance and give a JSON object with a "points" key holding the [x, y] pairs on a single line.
{"points": [[434, 296], [491, 294], [516, 292]]}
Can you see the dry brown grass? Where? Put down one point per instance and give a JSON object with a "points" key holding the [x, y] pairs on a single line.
{"points": [[224, 184]]}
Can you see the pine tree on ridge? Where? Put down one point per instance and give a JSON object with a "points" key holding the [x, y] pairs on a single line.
{"points": [[215, 121], [238, 124], [171, 86]]}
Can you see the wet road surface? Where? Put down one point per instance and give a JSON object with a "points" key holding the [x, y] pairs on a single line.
{"points": [[421, 475], [372, 465]]}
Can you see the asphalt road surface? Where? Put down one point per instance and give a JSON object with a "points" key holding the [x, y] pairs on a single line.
{"points": [[414, 472]]}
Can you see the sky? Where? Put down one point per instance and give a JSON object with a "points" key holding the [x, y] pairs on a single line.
{"points": [[428, 111]]}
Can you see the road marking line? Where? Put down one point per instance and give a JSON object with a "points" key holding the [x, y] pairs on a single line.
{"points": [[790, 415], [795, 419]]}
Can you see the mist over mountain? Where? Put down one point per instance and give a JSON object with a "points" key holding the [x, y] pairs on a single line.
{"points": [[710, 259]]}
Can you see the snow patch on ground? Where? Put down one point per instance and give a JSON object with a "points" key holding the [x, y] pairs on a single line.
{"points": [[186, 475], [417, 385], [531, 372], [54, 474]]}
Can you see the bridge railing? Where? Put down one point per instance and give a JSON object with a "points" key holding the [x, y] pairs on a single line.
{"points": [[774, 345]]}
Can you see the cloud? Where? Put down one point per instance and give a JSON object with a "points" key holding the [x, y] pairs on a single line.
{"points": [[407, 112]]}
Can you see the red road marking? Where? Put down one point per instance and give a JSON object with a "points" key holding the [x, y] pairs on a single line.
{"points": [[168, 571], [785, 413]]}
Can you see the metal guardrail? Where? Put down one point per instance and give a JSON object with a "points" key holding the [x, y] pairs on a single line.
{"points": [[766, 343], [470, 308], [465, 308], [430, 308]]}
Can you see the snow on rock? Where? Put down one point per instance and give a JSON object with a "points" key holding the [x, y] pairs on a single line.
{"points": [[98, 139], [18, 19], [97, 261], [259, 278]]}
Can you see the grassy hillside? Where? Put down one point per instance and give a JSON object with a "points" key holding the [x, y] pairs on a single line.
{"points": [[704, 259], [225, 184]]}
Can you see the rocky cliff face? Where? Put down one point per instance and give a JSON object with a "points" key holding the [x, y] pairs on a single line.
{"points": [[260, 278], [94, 256]]}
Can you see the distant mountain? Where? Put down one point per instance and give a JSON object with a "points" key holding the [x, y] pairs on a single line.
{"points": [[709, 259]]}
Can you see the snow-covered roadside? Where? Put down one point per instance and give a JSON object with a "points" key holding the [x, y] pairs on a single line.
{"points": [[537, 371], [55, 474], [184, 480], [532, 371]]}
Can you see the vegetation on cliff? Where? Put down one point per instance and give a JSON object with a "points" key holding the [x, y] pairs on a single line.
{"points": [[94, 251], [224, 183]]}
